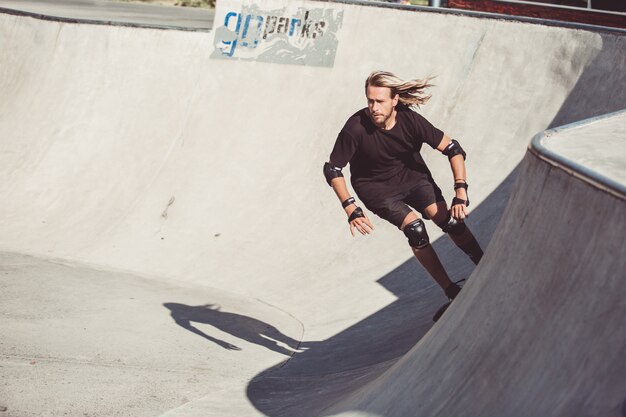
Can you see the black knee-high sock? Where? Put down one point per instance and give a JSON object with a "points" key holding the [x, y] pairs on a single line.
{"points": [[473, 250]]}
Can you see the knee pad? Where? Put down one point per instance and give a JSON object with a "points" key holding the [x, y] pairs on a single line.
{"points": [[453, 226], [416, 233]]}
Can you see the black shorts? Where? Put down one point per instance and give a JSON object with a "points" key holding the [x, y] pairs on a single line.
{"points": [[395, 208]]}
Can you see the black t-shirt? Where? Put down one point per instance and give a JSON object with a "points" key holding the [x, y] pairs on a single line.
{"points": [[385, 162]]}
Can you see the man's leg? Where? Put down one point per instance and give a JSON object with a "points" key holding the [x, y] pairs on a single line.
{"points": [[461, 235], [468, 244], [428, 258]]}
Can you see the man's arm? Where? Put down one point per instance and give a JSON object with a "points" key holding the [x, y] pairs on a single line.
{"points": [[362, 224], [187, 325], [457, 163]]}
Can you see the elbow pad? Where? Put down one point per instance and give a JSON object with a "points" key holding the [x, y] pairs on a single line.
{"points": [[453, 149], [331, 172]]}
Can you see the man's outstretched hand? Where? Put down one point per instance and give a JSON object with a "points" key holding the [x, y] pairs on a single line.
{"points": [[459, 208], [360, 223], [459, 211]]}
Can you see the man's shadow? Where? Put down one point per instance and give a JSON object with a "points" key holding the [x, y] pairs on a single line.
{"points": [[243, 327]]}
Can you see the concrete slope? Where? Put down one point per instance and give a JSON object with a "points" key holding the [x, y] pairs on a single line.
{"points": [[137, 151], [539, 329]]}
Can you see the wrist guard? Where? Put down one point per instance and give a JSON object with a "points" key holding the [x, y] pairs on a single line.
{"points": [[347, 202], [358, 212], [457, 200]]}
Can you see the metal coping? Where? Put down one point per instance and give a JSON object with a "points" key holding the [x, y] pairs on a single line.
{"points": [[380, 4], [574, 168]]}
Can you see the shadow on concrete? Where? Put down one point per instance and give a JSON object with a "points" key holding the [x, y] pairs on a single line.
{"points": [[243, 327], [332, 368]]}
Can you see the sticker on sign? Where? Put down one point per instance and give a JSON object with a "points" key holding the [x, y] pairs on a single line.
{"points": [[292, 34]]}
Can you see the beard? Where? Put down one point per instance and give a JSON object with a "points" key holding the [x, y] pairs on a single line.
{"points": [[380, 119]]}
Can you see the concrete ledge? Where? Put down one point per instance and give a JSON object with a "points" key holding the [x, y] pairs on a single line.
{"points": [[611, 128], [459, 12], [98, 19]]}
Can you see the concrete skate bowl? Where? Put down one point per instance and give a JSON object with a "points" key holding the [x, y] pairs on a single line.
{"points": [[155, 166]]}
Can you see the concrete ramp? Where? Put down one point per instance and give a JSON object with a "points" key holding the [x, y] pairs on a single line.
{"points": [[170, 246], [538, 330]]}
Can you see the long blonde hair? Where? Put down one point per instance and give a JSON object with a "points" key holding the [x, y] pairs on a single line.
{"points": [[411, 93]]}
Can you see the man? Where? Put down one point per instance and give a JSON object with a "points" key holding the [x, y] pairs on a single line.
{"points": [[382, 143]]}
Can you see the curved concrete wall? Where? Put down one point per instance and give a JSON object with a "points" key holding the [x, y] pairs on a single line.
{"points": [[103, 126]]}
